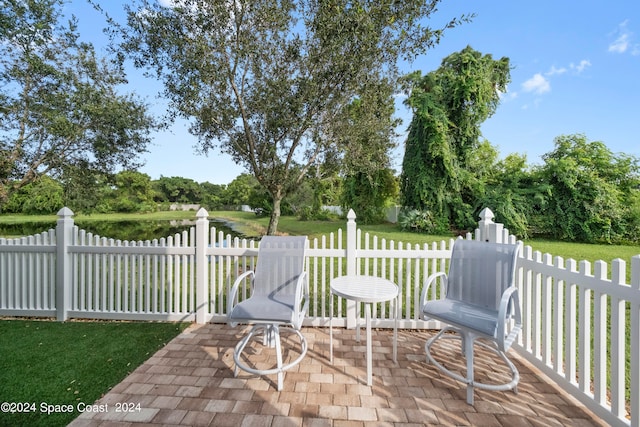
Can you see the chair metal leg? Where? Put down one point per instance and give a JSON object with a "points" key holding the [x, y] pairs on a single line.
{"points": [[367, 310], [468, 350], [469, 343], [395, 329], [331, 330], [272, 335], [276, 336]]}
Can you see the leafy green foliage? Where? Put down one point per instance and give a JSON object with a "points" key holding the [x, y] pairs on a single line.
{"points": [[43, 196], [176, 190], [369, 184], [594, 191], [212, 195], [269, 82], [516, 194], [61, 105], [417, 221], [449, 105], [368, 193], [132, 192], [241, 190]]}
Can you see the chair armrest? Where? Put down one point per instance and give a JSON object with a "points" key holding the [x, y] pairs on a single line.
{"points": [[302, 292], [233, 294], [425, 290], [509, 296]]}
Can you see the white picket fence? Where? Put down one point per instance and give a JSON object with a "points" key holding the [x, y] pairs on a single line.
{"points": [[581, 327]]}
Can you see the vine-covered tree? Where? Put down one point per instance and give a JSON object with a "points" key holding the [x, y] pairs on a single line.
{"points": [[266, 81], [594, 192], [515, 192], [449, 105], [60, 106]]}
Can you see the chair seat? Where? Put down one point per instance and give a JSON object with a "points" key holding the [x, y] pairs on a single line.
{"points": [[263, 308], [461, 315]]}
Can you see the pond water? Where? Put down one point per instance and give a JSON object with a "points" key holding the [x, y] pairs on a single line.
{"points": [[119, 230]]}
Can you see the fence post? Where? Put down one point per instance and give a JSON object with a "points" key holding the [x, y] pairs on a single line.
{"points": [[489, 230], [486, 218], [202, 242], [64, 235], [635, 344], [351, 263]]}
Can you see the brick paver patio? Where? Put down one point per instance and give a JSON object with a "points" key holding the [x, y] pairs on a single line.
{"points": [[190, 382]]}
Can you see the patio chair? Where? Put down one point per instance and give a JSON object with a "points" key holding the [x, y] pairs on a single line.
{"points": [[480, 302], [279, 298]]}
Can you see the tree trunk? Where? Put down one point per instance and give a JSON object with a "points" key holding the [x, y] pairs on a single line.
{"points": [[275, 216]]}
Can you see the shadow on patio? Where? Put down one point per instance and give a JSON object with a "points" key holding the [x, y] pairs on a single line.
{"points": [[190, 382]]}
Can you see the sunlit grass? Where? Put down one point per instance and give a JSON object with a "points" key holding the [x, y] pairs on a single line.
{"points": [[70, 363]]}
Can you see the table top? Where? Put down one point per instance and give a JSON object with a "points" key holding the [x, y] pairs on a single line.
{"points": [[369, 289]]}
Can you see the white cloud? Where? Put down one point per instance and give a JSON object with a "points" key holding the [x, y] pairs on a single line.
{"points": [[553, 71], [581, 66], [620, 45], [540, 82], [624, 40], [537, 84], [577, 68]]}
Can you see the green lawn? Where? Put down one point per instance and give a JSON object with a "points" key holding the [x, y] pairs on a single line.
{"points": [[69, 363], [591, 252]]}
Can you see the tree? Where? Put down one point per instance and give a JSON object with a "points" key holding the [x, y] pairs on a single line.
{"points": [[369, 183], [84, 190], [132, 192], [60, 105], [176, 189], [267, 81], [516, 194], [449, 105], [42, 196], [212, 195], [369, 193], [242, 191], [594, 192]]}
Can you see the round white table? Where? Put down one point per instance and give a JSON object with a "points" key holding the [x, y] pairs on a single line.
{"points": [[368, 290]]}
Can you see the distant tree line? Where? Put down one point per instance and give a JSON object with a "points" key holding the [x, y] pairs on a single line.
{"points": [[132, 191], [126, 191]]}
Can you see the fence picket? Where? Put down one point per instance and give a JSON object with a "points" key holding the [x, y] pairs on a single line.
{"points": [[600, 337], [584, 338], [546, 313], [558, 318], [618, 350], [571, 325]]}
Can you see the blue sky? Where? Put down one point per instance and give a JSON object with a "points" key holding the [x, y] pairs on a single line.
{"points": [[576, 65]]}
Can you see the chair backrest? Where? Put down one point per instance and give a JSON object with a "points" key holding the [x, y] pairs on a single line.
{"points": [[480, 272], [280, 263]]}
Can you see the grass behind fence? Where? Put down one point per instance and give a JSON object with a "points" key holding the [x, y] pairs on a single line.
{"points": [[70, 363]]}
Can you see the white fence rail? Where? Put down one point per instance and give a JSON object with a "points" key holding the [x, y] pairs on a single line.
{"points": [[581, 327]]}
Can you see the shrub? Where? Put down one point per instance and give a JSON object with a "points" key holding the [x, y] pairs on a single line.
{"points": [[417, 221]]}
